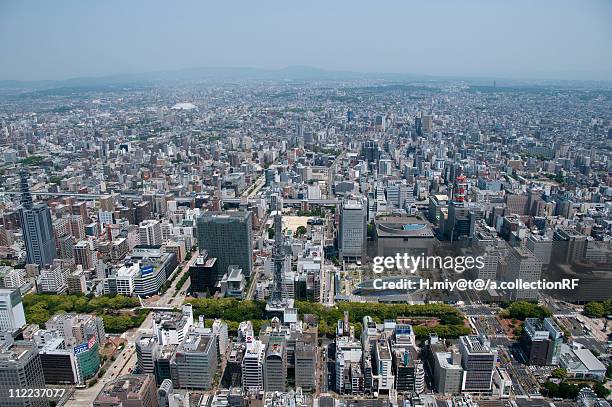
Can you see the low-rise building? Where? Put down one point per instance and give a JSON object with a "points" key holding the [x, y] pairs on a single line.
{"points": [[130, 390], [580, 363]]}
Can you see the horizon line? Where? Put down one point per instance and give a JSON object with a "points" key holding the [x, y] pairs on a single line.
{"points": [[502, 77]]}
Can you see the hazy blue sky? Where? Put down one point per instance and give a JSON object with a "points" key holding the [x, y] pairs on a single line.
{"points": [[56, 39]]}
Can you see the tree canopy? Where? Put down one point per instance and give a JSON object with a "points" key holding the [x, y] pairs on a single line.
{"points": [[522, 309]]}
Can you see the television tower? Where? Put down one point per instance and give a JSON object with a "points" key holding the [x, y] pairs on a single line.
{"points": [[26, 196], [278, 258]]}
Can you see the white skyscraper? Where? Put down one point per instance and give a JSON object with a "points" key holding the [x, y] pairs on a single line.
{"points": [[150, 233], [12, 316], [252, 366], [385, 166]]}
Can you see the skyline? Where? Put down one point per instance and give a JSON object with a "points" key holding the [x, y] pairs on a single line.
{"points": [[300, 204], [565, 40]]}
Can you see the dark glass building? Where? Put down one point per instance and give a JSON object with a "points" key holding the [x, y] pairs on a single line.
{"points": [[227, 237], [36, 226]]}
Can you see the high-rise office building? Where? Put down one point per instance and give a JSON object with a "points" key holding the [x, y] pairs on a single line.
{"points": [[162, 363], [478, 363], [228, 238], [278, 294], [569, 246], [106, 218], [78, 328], [305, 366], [147, 350], [409, 371], [448, 374], [20, 368], [65, 247], [352, 233], [384, 366], [172, 327], [84, 333], [76, 282], [77, 227], [385, 167], [541, 247], [195, 362], [252, 366], [59, 362], [12, 278], [275, 366], [270, 176], [84, 255], [142, 211], [380, 122], [541, 341], [371, 151], [461, 221], [37, 227], [427, 122], [165, 393], [523, 265], [204, 274], [150, 233], [12, 315], [6, 236], [418, 126], [107, 203], [52, 280], [60, 228], [400, 196], [79, 209]]}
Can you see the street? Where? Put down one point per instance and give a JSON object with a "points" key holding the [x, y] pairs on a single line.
{"points": [[126, 360]]}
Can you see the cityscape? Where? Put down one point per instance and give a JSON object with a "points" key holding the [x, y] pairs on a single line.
{"points": [[212, 237]]}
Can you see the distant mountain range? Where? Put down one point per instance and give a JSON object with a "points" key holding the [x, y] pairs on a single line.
{"points": [[211, 74], [288, 74]]}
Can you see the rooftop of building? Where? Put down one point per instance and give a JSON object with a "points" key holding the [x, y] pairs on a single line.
{"points": [[546, 324], [72, 317], [7, 291], [474, 345], [352, 204], [146, 340], [254, 349], [445, 360], [568, 230], [224, 216], [234, 274], [167, 351], [589, 360], [523, 253], [383, 350], [15, 351], [128, 384], [195, 342], [169, 319], [402, 227]]}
